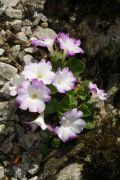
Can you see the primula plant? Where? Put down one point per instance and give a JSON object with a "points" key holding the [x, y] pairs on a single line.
{"points": [[53, 88]]}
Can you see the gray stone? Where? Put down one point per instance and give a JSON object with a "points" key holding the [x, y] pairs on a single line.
{"points": [[2, 128], [29, 50], [39, 17], [12, 13], [27, 30], [9, 3], [7, 71], [4, 146], [40, 32], [1, 51], [22, 36], [4, 91], [27, 58], [16, 25], [2, 172], [7, 110], [27, 140], [21, 169], [34, 178], [71, 172], [15, 50], [34, 168]]}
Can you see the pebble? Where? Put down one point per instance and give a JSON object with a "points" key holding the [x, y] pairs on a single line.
{"points": [[27, 59], [34, 168], [7, 110], [2, 128], [44, 25], [22, 36], [40, 32], [27, 30], [12, 13], [2, 172], [1, 51], [7, 71], [15, 50], [29, 50], [72, 171], [9, 3], [16, 25]]}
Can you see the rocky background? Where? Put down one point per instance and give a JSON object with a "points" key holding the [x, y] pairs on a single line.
{"points": [[96, 153]]}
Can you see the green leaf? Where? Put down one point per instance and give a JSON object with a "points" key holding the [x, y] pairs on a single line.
{"points": [[73, 101], [57, 59], [56, 143], [45, 149], [86, 109], [57, 56], [64, 105], [90, 125], [76, 65], [82, 91], [52, 88], [52, 106], [67, 103]]}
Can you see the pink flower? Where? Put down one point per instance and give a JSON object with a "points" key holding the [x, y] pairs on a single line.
{"points": [[15, 83], [32, 96], [69, 45], [45, 42], [71, 125], [41, 71], [64, 80], [96, 91]]}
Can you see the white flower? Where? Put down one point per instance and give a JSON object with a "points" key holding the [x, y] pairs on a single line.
{"points": [[41, 71], [15, 83], [69, 45], [32, 96], [45, 42], [64, 80], [97, 92], [39, 121], [71, 125]]}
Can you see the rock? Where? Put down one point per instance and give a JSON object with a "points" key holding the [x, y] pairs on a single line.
{"points": [[1, 51], [22, 36], [7, 110], [12, 13], [44, 25], [7, 71], [5, 144], [39, 17], [35, 3], [72, 172], [27, 59], [27, 30], [34, 168], [29, 50], [27, 140], [27, 22], [2, 172], [1, 39], [40, 32], [15, 50], [34, 178], [4, 91], [9, 3], [2, 128], [16, 25]]}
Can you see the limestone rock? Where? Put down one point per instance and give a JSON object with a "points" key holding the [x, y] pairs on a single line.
{"points": [[12, 13], [7, 71], [42, 32]]}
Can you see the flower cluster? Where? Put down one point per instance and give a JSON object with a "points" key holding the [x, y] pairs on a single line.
{"points": [[38, 87]]}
